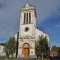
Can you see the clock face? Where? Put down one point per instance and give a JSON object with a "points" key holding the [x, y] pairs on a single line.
{"points": [[26, 29]]}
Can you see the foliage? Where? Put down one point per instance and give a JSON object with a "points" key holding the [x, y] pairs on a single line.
{"points": [[11, 45], [59, 51], [54, 47], [42, 45]]}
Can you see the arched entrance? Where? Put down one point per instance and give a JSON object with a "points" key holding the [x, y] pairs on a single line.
{"points": [[26, 50]]}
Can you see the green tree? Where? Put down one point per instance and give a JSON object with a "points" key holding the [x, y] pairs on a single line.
{"points": [[54, 47], [42, 45], [59, 51], [11, 45]]}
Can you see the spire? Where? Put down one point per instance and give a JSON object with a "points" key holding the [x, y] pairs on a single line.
{"points": [[27, 1], [27, 5]]}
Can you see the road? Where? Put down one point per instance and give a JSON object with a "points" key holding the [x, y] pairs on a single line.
{"points": [[55, 58], [1, 58]]}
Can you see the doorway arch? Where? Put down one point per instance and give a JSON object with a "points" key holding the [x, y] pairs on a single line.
{"points": [[26, 50]]}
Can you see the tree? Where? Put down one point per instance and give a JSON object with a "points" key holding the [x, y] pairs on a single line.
{"points": [[11, 45], [59, 51], [42, 45], [54, 47]]}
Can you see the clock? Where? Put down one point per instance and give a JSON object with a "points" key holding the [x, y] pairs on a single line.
{"points": [[26, 29]]}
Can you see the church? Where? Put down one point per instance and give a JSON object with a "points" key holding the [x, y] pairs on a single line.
{"points": [[28, 33]]}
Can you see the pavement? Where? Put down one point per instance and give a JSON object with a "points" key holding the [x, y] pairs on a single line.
{"points": [[1, 58], [55, 58]]}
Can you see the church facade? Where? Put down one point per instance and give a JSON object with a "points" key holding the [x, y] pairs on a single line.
{"points": [[28, 33]]}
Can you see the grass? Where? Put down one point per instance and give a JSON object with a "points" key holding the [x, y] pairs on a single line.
{"points": [[10, 59], [25, 59]]}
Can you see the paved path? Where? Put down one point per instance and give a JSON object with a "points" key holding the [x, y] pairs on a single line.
{"points": [[55, 58], [1, 58]]}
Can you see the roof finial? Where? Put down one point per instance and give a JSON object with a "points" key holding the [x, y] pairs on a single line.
{"points": [[27, 1]]}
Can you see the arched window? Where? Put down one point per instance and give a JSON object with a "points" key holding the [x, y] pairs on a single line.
{"points": [[29, 17], [24, 17]]}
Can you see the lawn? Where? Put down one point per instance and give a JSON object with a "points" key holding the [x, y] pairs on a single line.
{"points": [[25, 59], [10, 59]]}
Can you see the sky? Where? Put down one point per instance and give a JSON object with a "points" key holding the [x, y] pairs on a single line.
{"points": [[48, 18]]}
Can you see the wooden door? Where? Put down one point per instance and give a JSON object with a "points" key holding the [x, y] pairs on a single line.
{"points": [[26, 52]]}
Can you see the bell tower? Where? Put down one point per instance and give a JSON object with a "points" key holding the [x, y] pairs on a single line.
{"points": [[28, 20], [27, 31]]}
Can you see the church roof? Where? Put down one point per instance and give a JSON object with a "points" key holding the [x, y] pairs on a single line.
{"points": [[28, 5]]}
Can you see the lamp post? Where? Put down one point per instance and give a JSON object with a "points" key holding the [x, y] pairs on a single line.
{"points": [[8, 52], [17, 44]]}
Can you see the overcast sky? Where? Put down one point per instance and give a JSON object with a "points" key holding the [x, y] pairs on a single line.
{"points": [[48, 18]]}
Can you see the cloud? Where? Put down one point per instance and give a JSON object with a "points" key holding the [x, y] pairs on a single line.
{"points": [[10, 14], [57, 26], [2, 4], [45, 8]]}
